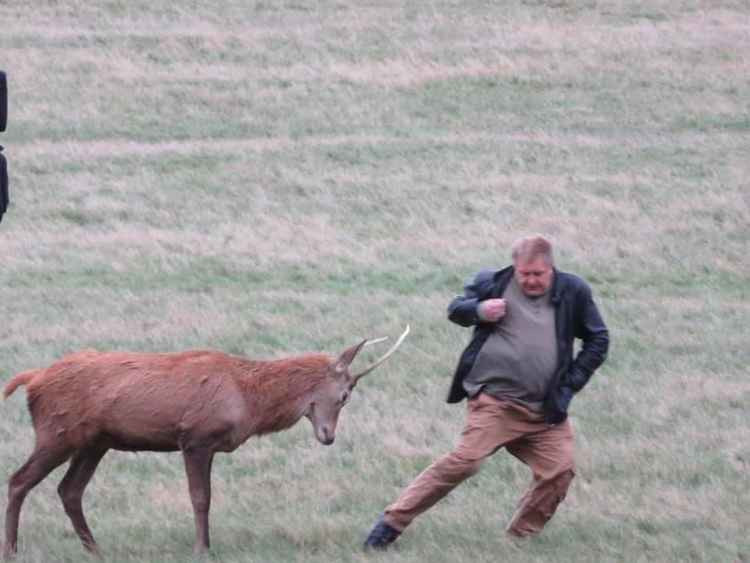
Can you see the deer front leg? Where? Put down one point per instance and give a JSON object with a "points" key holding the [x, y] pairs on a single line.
{"points": [[198, 467]]}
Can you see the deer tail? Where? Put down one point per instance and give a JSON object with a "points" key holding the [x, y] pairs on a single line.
{"points": [[21, 379]]}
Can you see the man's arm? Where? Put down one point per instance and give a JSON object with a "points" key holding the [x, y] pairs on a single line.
{"points": [[473, 307], [590, 328]]}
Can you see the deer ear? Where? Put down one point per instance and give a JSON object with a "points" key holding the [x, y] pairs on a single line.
{"points": [[347, 357]]}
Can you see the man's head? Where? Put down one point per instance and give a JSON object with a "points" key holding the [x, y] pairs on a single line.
{"points": [[533, 264]]}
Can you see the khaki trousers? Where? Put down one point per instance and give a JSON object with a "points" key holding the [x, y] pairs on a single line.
{"points": [[490, 425]]}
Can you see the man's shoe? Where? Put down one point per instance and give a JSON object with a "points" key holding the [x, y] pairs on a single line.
{"points": [[381, 536]]}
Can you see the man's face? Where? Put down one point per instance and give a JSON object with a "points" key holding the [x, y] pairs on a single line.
{"points": [[534, 276]]}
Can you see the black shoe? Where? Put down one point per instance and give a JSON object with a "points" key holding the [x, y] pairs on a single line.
{"points": [[381, 536]]}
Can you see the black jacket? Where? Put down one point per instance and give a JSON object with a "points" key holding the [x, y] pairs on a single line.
{"points": [[576, 316]]}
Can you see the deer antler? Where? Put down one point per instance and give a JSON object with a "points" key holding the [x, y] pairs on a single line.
{"points": [[383, 358]]}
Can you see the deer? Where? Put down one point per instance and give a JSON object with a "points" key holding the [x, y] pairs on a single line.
{"points": [[198, 402]]}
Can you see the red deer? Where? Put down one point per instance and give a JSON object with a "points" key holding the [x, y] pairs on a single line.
{"points": [[197, 402]]}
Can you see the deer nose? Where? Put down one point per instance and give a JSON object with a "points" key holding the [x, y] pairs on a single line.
{"points": [[326, 437]]}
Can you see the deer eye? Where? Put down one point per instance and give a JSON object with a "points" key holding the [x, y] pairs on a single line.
{"points": [[344, 397]]}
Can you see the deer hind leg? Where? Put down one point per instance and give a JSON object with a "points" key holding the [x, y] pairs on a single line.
{"points": [[71, 488], [198, 468], [42, 461]]}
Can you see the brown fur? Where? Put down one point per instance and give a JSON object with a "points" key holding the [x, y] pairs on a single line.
{"points": [[199, 402]]}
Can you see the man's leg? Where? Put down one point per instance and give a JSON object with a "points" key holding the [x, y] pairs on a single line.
{"points": [[489, 426], [479, 439], [550, 455]]}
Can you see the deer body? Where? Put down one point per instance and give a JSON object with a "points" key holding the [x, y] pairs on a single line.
{"points": [[164, 402], [197, 402]]}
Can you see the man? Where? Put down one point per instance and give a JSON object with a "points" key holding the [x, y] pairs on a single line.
{"points": [[519, 374]]}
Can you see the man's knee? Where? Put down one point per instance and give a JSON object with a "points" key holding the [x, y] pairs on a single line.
{"points": [[562, 483], [551, 492], [460, 465], [566, 476], [540, 503]]}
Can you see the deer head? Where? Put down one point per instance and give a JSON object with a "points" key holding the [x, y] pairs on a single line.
{"points": [[334, 393]]}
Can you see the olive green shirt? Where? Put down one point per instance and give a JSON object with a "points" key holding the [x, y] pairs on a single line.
{"points": [[519, 358]]}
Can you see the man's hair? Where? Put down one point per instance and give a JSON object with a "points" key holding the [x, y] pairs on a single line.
{"points": [[529, 248]]}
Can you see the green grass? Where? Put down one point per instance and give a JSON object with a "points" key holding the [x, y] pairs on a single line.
{"points": [[271, 178]]}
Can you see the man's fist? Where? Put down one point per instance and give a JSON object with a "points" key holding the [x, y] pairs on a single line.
{"points": [[491, 310]]}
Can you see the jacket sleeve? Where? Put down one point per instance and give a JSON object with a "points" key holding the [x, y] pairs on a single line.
{"points": [[463, 309], [592, 331]]}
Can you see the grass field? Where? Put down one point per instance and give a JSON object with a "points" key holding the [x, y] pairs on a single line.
{"points": [[276, 177]]}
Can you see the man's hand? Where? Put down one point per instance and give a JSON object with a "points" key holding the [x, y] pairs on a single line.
{"points": [[491, 310]]}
